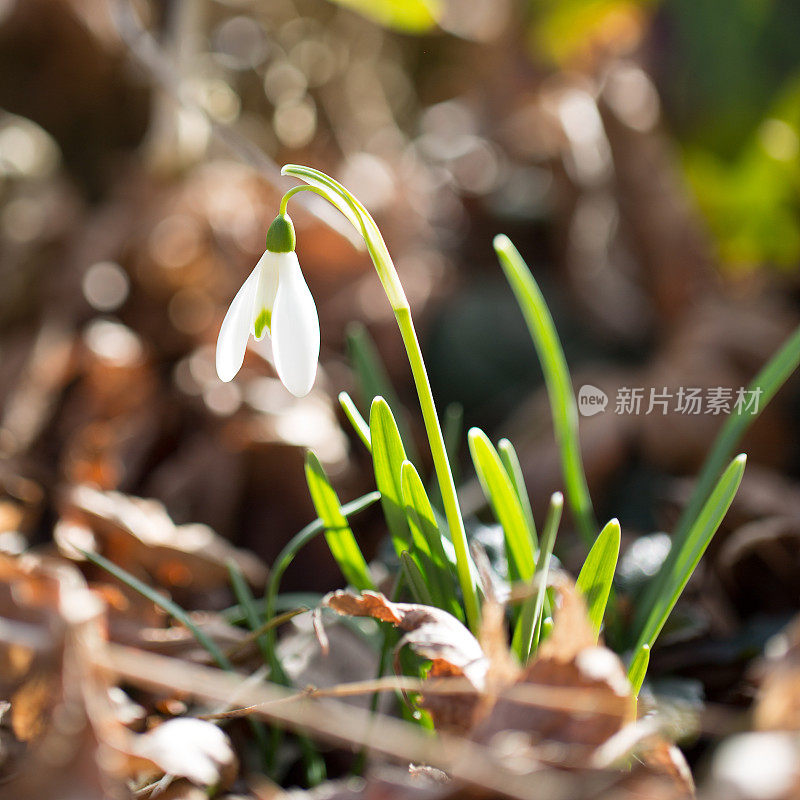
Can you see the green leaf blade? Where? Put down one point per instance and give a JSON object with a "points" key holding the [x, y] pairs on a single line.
{"points": [[358, 422], [416, 579], [557, 380], [767, 383], [388, 455], [505, 504], [638, 668], [529, 625], [508, 455], [596, 575], [341, 541], [691, 550], [428, 540]]}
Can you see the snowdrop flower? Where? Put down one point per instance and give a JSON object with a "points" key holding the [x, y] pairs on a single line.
{"points": [[274, 299]]}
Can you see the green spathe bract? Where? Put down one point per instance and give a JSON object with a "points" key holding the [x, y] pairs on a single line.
{"points": [[280, 235]]}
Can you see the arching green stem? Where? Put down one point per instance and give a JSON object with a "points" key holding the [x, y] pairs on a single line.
{"points": [[339, 197]]}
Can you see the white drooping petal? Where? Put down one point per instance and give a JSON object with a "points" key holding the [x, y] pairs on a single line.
{"points": [[235, 330], [295, 329], [269, 265]]}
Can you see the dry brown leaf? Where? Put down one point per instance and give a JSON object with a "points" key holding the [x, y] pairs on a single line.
{"points": [[30, 705], [433, 634], [61, 705], [138, 532], [590, 677], [663, 758], [572, 629], [430, 632], [602, 705], [778, 703]]}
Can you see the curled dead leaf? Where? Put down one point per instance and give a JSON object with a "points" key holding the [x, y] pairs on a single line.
{"points": [[433, 634], [430, 632]]}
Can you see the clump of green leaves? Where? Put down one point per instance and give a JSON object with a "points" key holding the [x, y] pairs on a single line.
{"points": [[436, 568]]}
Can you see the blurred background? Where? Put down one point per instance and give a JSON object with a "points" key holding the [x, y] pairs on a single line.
{"points": [[642, 155]]}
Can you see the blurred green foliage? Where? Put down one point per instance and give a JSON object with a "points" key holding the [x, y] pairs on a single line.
{"points": [[564, 31], [729, 76], [409, 16], [731, 86]]}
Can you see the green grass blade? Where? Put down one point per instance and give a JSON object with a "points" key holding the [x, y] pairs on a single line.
{"points": [[596, 575], [508, 455], [638, 668], [298, 542], [416, 580], [528, 629], [175, 611], [358, 422], [374, 380], [772, 376], [428, 540], [248, 605], [768, 381], [163, 602], [692, 549], [551, 523], [340, 538], [388, 455], [499, 491], [559, 386], [421, 516]]}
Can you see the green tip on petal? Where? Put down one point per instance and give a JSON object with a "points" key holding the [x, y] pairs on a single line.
{"points": [[262, 321], [280, 236]]}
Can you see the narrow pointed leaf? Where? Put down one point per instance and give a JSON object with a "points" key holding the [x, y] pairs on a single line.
{"points": [[428, 540], [338, 534], [416, 579], [638, 668], [508, 455], [557, 379], [505, 504], [248, 605], [528, 628], [388, 455], [768, 381], [358, 422], [692, 549], [596, 575]]}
